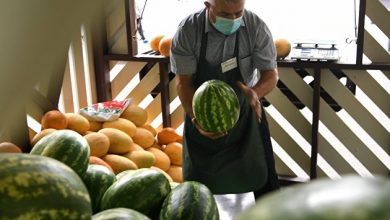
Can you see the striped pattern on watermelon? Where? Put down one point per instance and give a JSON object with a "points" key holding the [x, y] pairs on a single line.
{"points": [[189, 200], [143, 190], [98, 179], [216, 106], [120, 213], [37, 187], [66, 146]]}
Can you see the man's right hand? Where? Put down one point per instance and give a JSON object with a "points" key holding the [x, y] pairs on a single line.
{"points": [[211, 135]]}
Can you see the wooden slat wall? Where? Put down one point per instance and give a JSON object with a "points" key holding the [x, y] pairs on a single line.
{"points": [[58, 92], [380, 16]]}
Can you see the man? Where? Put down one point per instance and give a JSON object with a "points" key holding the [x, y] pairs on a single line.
{"points": [[227, 42]]}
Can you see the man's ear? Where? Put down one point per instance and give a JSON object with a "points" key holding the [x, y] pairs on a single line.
{"points": [[207, 4]]}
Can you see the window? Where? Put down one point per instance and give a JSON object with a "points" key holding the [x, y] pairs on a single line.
{"points": [[297, 20]]}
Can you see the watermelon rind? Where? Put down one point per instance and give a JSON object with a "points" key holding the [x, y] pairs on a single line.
{"points": [[38, 187], [98, 179], [119, 214], [143, 190]]}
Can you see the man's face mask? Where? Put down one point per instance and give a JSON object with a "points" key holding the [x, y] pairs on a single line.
{"points": [[227, 26]]}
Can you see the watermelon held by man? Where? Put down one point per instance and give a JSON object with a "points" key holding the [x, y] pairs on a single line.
{"points": [[216, 106]]}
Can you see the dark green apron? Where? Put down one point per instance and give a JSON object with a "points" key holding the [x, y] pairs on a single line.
{"points": [[237, 162]]}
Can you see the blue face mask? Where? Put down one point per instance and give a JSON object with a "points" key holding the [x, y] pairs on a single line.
{"points": [[227, 26]]}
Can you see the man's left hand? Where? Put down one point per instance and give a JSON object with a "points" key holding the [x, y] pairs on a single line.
{"points": [[252, 97]]}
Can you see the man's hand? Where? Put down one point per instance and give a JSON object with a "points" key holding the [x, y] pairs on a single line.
{"points": [[253, 99], [211, 135]]}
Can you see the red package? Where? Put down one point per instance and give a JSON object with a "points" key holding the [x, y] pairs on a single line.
{"points": [[105, 111]]}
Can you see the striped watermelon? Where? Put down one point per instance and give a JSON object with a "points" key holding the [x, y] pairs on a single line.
{"points": [[351, 197], [66, 146], [189, 200], [118, 214], [216, 106], [37, 187], [97, 179], [143, 190]]}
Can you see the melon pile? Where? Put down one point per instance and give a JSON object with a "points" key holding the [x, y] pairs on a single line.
{"points": [[127, 143]]}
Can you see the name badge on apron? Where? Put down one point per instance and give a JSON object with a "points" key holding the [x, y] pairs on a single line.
{"points": [[229, 64]]}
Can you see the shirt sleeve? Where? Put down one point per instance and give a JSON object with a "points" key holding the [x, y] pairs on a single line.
{"points": [[264, 54], [183, 59]]}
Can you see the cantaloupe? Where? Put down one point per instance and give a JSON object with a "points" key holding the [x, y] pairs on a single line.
{"points": [[162, 160], [283, 48], [165, 46], [98, 144], [41, 134], [143, 138], [167, 135], [120, 142], [174, 151], [136, 114], [119, 163], [99, 161], [54, 119], [122, 124], [8, 147], [143, 159], [155, 41], [77, 123], [176, 173]]}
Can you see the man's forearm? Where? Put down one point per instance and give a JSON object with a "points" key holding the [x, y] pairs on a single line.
{"points": [[185, 91], [266, 83]]}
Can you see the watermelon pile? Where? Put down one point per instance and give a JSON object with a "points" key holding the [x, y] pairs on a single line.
{"points": [[143, 190], [38, 187], [216, 106]]}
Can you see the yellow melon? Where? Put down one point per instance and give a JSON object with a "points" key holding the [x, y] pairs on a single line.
{"points": [[143, 138], [119, 163], [77, 123], [174, 151], [54, 119], [150, 128], [98, 144], [41, 134], [136, 147], [8, 147], [176, 173], [283, 48], [162, 160], [122, 124], [143, 159], [99, 161], [163, 172], [95, 125], [120, 142], [136, 114]]}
